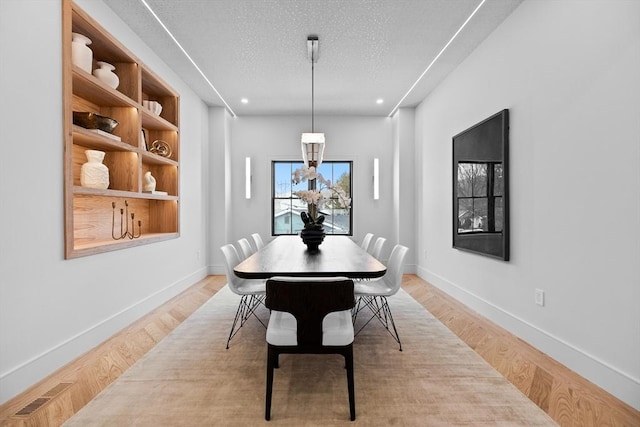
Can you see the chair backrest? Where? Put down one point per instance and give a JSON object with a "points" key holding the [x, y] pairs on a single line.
{"points": [[231, 259], [366, 241], [246, 248], [309, 300], [393, 276], [257, 239], [377, 247]]}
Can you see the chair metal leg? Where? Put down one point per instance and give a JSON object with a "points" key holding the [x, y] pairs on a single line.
{"points": [[379, 306], [247, 307]]}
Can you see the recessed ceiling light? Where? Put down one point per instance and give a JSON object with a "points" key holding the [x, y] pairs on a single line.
{"points": [[244, 100], [379, 101]]}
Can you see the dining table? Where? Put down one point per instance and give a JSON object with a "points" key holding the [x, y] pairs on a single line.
{"points": [[289, 256]]}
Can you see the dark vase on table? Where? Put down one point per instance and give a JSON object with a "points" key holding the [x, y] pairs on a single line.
{"points": [[313, 232], [312, 237]]}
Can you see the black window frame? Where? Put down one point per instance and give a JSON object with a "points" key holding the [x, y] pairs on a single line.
{"points": [[295, 164]]}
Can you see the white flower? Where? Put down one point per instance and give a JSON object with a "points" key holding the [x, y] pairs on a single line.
{"points": [[305, 174], [324, 190], [310, 197]]}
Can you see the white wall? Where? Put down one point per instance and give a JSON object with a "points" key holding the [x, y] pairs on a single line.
{"points": [[568, 71], [53, 310], [268, 138], [404, 170]]}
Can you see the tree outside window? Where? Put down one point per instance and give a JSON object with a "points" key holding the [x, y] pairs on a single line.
{"points": [[286, 207], [480, 201]]}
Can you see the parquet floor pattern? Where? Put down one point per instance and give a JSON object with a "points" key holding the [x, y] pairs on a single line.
{"points": [[566, 397]]}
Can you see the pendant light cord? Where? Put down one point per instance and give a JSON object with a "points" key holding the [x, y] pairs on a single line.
{"points": [[312, 90]]}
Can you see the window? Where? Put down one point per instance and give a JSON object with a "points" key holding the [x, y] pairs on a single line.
{"points": [[286, 207], [480, 197]]}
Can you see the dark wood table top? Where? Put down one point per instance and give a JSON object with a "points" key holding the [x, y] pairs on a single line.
{"points": [[288, 256]]}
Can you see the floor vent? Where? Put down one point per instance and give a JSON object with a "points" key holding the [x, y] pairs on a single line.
{"points": [[39, 402], [32, 407], [57, 390]]}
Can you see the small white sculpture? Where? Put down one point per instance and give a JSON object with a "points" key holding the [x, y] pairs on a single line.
{"points": [[149, 182]]}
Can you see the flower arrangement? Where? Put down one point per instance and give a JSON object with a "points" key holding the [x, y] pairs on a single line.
{"points": [[317, 195]]}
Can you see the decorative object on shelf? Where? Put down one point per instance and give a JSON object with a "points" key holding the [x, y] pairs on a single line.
{"points": [[160, 148], [124, 223], [154, 106], [94, 174], [149, 182], [81, 53], [106, 75], [94, 121], [143, 136]]}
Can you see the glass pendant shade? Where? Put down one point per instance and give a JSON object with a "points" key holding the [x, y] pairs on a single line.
{"points": [[312, 149]]}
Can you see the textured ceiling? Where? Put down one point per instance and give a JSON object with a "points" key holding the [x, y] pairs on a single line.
{"points": [[257, 49]]}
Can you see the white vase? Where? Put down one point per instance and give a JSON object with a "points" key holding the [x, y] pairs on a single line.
{"points": [[106, 75], [81, 54], [94, 174]]}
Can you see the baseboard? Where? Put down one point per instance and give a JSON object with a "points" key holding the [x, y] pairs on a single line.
{"points": [[218, 269], [19, 378], [617, 383]]}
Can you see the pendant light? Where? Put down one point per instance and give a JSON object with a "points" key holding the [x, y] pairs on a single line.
{"points": [[312, 142]]}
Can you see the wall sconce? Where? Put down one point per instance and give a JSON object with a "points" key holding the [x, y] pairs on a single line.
{"points": [[376, 179], [247, 177]]}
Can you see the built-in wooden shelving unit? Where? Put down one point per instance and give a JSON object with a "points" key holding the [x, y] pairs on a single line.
{"points": [[88, 211]]}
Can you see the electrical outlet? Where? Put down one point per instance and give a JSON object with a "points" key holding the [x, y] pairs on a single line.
{"points": [[424, 256], [198, 255], [540, 297]]}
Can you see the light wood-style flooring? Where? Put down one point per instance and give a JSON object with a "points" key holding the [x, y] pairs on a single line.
{"points": [[565, 396]]}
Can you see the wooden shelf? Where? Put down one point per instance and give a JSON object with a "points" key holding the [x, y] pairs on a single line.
{"points": [[100, 246], [95, 141], [149, 157], [79, 190], [152, 121], [88, 87], [90, 213]]}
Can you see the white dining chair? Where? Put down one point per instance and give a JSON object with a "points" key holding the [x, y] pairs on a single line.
{"points": [[377, 247], [251, 291], [373, 294], [366, 241], [257, 240], [245, 248]]}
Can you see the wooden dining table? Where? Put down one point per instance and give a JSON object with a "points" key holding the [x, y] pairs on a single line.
{"points": [[288, 256]]}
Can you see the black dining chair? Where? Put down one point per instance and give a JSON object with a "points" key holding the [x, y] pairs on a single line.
{"points": [[310, 316]]}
